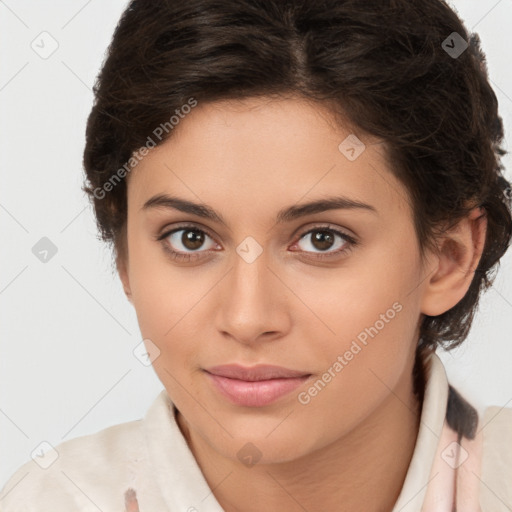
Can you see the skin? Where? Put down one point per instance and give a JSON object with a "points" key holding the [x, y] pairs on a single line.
{"points": [[352, 443]]}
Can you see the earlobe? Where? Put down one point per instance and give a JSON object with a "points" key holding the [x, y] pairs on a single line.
{"points": [[460, 250]]}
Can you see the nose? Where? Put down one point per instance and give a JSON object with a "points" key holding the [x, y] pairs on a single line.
{"points": [[254, 302]]}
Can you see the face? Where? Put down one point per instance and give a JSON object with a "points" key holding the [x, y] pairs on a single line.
{"points": [[330, 292]]}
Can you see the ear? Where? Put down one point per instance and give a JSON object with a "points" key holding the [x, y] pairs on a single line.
{"points": [[453, 267], [122, 270]]}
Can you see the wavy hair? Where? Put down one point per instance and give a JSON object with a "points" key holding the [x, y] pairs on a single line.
{"points": [[382, 65]]}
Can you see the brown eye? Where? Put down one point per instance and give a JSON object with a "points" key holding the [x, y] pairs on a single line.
{"points": [[192, 239], [185, 242], [187, 239], [323, 239]]}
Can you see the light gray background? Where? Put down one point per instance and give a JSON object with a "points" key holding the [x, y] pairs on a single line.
{"points": [[67, 331]]}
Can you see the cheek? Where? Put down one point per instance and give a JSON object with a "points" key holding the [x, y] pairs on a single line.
{"points": [[158, 290], [168, 301], [372, 318], [345, 303], [367, 359]]}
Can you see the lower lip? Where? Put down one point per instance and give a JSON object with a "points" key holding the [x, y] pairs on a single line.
{"points": [[256, 393]]}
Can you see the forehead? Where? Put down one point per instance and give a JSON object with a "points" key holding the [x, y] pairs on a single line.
{"points": [[259, 154]]}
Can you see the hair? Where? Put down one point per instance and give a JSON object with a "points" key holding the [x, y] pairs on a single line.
{"points": [[381, 66]]}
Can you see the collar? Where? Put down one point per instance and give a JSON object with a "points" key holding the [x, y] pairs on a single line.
{"points": [[433, 414]]}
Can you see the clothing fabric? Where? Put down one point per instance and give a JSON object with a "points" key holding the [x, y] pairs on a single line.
{"points": [[460, 463]]}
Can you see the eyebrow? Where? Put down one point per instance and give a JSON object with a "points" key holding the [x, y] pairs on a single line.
{"points": [[285, 215]]}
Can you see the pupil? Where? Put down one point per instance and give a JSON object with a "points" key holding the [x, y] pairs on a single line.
{"points": [[192, 239]]}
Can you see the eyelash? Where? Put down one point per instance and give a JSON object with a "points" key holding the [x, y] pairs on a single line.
{"points": [[187, 257]]}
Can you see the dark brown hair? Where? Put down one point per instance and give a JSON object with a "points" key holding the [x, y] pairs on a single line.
{"points": [[386, 66]]}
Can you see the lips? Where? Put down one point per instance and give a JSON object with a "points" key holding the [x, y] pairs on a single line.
{"points": [[255, 386], [255, 373]]}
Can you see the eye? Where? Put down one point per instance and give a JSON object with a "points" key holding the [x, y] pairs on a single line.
{"points": [[324, 238], [182, 243]]}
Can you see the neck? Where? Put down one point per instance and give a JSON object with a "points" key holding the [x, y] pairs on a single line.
{"points": [[363, 470]]}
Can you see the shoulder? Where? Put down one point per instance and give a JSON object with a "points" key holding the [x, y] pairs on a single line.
{"points": [[69, 474], [486, 440], [496, 483], [496, 425]]}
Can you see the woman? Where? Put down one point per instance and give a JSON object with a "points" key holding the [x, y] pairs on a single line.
{"points": [[304, 200]]}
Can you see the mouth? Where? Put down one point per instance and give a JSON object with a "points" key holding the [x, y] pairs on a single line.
{"points": [[255, 373], [254, 386]]}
